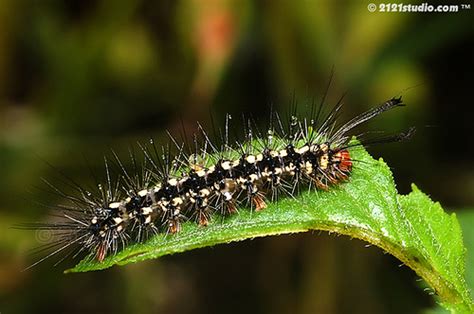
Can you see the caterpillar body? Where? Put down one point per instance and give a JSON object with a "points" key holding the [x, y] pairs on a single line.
{"points": [[209, 180]]}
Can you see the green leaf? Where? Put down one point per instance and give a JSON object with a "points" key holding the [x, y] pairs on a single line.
{"points": [[466, 219], [412, 228]]}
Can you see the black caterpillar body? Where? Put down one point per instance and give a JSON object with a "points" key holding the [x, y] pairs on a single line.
{"points": [[199, 185]]}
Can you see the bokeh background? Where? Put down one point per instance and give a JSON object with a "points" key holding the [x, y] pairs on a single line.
{"points": [[79, 77]]}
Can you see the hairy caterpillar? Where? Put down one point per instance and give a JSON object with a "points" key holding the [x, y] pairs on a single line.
{"points": [[195, 184]]}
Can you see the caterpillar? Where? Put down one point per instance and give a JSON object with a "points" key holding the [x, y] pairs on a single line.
{"points": [[167, 188]]}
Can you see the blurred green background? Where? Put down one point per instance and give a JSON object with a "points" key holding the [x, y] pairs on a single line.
{"points": [[80, 77]]}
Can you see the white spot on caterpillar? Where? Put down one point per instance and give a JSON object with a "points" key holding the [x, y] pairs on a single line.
{"points": [[177, 201], [227, 196], [204, 193], [323, 161], [163, 205], [251, 159], [201, 173], [147, 210], [173, 182], [225, 165], [303, 149], [290, 167], [114, 205], [253, 177], [143, 193]]}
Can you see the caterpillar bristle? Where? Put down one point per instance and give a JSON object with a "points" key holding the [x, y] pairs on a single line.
{"points": [[178, 182]]}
